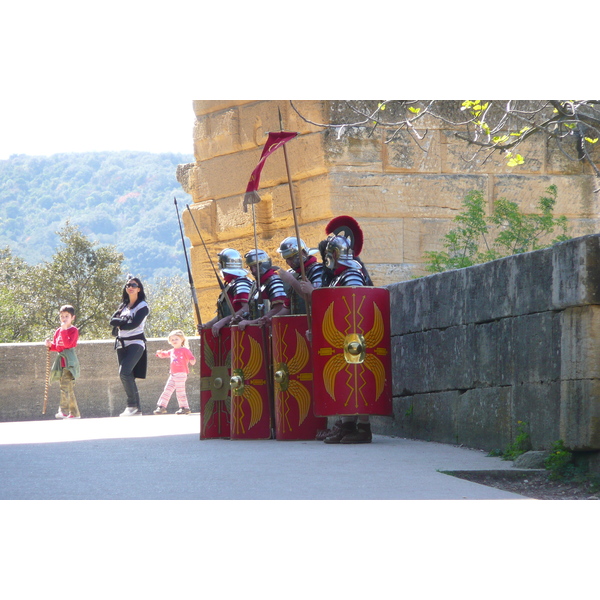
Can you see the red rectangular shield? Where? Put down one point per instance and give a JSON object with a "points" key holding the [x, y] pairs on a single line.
{"points": [[215, 394], [351, 350], [293, 385], [250, 384]]}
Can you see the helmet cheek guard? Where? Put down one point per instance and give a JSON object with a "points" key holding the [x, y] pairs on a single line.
{"points": [[338, 251]]}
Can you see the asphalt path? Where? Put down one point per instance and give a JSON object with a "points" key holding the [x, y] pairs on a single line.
{"points": [[162, 458], [140, 507]]}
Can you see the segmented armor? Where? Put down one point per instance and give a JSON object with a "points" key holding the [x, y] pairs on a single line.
{"points": [[238, 290], [349, 276], [314, 274], [272, 292]]}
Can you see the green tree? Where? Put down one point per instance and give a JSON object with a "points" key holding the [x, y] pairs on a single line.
{"points": [[85, 275], [171, 307], [18, 299], [515, 232]]}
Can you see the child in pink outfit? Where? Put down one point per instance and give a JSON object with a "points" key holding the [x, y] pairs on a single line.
{"points": [[180, 356]]}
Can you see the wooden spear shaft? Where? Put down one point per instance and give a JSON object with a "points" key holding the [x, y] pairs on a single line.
{"points": [[47, 383], [221, 284], [297, 229]]}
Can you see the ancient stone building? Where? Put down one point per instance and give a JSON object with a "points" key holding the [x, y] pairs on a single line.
{"points": [[403, 195]]}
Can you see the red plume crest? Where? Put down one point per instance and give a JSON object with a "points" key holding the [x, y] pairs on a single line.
{"points": [[347, 227]]}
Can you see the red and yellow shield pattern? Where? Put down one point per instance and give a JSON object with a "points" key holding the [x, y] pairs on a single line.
{"points": [[250, 384], [351, 351], [293, 385], [215, 374]]}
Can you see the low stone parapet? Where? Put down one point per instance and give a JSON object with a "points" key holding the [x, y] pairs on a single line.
{"points": [[98, 390], [481, 352]]}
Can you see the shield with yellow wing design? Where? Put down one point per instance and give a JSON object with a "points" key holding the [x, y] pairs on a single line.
{"points": [[250, 381], [351, 351], [215, 394], [294, 410]]}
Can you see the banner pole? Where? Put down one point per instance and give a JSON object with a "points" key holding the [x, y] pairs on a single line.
{"points": [[297, 229]]}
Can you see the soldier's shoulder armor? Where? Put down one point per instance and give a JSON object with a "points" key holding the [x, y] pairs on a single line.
{"points": [[349, 277]]}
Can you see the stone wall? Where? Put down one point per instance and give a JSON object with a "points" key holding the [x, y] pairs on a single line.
{"points": [[477, 351], [403, 195], [98, 390]]}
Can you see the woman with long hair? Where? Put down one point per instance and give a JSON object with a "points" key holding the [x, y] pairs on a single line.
{"points": [[128, 328]]}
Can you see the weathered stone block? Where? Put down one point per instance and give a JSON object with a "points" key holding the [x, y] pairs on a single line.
{"points": [[436, 301], [421, 235], [580, 342], [536, 346], [538, 405], [574, 195], [371, 193], [356, 150], [576, 278], [580, 414], [217, 134], [383, 239], [202, 214], [483, 418], [460, 157], [404, 155], [490, 350], [428, 417], [205, 107], [385, 274], [495, 289]]}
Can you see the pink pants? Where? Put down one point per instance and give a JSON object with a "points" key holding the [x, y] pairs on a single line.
{"points": [[175, 383]]}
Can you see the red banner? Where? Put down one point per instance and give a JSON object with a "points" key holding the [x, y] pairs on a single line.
{"points": [[275, 140]]}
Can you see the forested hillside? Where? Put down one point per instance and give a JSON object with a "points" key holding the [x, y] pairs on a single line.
{"points": [[119, 198]]}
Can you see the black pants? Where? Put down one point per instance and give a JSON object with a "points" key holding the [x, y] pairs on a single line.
{"points": [[129, 357]]}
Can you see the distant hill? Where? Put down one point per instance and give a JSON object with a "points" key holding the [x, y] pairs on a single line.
{"points": [[119, 198]]}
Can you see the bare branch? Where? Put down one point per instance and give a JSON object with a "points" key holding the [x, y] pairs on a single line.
{"points": [[489, 125]]}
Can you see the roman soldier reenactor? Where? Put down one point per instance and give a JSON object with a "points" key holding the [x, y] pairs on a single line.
{"points": [[351, 339], [237, 287], [296, 287]]}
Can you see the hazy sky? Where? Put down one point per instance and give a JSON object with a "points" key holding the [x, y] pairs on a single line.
{"points": [[121, 75], [78, 76]]}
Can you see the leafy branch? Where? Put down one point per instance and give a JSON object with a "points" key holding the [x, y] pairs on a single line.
{"points": [[515, 232]]}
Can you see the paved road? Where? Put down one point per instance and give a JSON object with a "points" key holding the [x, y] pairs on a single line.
{"points": [[162, 458]]}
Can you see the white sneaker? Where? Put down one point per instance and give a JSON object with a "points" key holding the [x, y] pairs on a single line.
{"points": [[60, 415], [131, 411]]}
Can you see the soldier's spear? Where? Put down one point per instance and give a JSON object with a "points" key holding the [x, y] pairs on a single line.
{"points": [[221, 284], [187, 262], [302, 272]]}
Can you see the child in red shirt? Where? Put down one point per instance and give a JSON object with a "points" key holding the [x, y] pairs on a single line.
{"points": [[66, 365], [180, 356]]}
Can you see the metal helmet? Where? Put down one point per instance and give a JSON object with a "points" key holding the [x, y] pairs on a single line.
{"points": [[338, 251], [230, 262], [289, 248], [259, 257]]}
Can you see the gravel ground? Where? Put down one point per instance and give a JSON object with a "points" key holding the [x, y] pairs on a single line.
{"points": [[534, 484]]}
